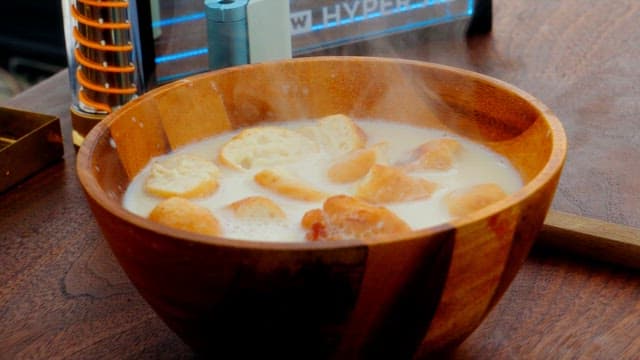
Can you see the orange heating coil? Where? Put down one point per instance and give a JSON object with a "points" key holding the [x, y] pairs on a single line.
{"points": [[106, 73]]}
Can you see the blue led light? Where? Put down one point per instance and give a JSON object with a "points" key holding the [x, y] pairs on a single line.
{"points": [[178, 20], [181, 55]]}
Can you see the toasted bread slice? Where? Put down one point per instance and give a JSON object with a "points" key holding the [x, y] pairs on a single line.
{"points": [[257, 207], [438, 154], [382, 152], [344, 217], [386, 184], [338, 134], [287, 185], [312, 218], [265, 146], [183, 175], [465, 201], [182, 214], [352, 166]]}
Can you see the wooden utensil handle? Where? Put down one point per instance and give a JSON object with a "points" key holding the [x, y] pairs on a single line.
{"points": [[592, 238]]}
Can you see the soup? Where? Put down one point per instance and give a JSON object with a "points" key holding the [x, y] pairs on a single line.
{"points": [[279, 182]]}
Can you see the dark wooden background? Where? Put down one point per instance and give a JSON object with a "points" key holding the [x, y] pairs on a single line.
{"points": [[62, 295]]}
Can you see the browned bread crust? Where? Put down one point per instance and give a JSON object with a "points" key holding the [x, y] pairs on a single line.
{"points": [[352, 166], [287, 185], [386, 184], [438, 154], [257, 207], [182, 214], [344, 217], [465, 201]]}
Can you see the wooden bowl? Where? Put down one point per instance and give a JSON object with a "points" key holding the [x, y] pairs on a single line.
{"points": [[396, 298]]}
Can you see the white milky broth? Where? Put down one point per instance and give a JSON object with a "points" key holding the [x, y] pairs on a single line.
{"points": [[475, 165]]}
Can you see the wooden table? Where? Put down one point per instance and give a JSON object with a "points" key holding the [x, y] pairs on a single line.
{"points": [[62, 295]]}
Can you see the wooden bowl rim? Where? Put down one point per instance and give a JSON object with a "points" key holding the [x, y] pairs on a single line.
{"points": [[551, 168]]}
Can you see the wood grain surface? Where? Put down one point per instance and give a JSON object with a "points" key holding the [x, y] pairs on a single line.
{"points": [[62, 294], [593, 238]]}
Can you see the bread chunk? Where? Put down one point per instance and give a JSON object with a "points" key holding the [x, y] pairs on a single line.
{"points": [[287, 185], [257, 207], [382, 152], [467, 200], [438, 154], [182, 214], [183, 175], [386, 184], [352, 166], [265, 146], [343, 217], [338, 134]]}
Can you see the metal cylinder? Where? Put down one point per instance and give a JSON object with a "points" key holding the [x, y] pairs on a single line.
{"points": [[227, 33], [104, 71]]}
